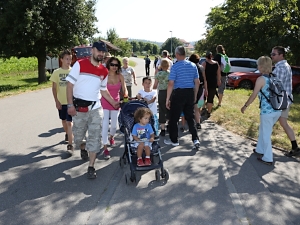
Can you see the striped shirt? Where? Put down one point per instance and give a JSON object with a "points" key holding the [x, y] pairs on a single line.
{"points": [[284, 72], [183, 73]]}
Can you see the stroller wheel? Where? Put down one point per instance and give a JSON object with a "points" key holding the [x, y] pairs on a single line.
{"points": [[165, 174], [133, 177], [157, 175]]}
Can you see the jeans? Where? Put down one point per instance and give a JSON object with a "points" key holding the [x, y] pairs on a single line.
{"points": [[182, 100], [264, 145], [147, 67]]}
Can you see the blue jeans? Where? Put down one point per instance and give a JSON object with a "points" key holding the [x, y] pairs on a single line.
{"points": [[264, 145]]}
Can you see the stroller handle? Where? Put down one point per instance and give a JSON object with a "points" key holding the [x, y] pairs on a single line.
{"points": [[132, 142]]}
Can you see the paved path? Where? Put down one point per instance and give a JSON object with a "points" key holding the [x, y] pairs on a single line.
{"points": [[221, 184]]}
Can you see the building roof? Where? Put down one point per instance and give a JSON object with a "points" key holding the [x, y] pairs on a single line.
{"points": [[124, 39], [110, 46]]}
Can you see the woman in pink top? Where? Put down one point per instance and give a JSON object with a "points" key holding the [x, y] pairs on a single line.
{"points": [[114, 83]]}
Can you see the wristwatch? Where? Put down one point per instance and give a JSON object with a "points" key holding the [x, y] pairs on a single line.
{"points": [[70, 105]]}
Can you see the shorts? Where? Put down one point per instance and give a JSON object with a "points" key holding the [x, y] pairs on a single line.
{"points": [[91, 123], [211, 94], [285, 112], [146, 143], [63, 113], [223, 84]]}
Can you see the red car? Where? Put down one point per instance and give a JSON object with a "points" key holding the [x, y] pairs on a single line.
{"points": [[247, 79]]}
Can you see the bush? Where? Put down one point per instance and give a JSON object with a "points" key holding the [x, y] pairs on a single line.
{"points": [[15, 65]]}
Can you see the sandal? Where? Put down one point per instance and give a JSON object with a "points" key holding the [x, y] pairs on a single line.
{"points": [[264, 162], [70, 149]]}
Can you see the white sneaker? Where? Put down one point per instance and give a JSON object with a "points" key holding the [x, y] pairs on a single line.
{"points": [[169, 142], [196, 144]]}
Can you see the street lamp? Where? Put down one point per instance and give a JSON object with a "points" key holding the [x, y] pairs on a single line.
{"points": [[171, 43]]}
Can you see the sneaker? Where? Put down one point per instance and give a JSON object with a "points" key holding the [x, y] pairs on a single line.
{"points": [[66, 138], [169, 142], [106, 154], [70, 149], [198, 126], [91, 173], [84, 154], [162, 133], [140, 162], [196, 144], [112, 141], [147, 162], [293, 152]]}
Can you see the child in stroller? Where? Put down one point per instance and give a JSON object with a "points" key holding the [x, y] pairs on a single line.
{"points": [[143, 134], [131, 153]]}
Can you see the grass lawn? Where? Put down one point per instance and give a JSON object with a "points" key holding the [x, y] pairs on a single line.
{"points": [[230, 117]]}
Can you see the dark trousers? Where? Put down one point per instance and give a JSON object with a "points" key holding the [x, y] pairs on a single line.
{"points": [[162, 109], [182, 100], [147, 67]]}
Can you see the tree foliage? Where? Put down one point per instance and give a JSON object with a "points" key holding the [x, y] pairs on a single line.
{"points": [[251, 28], [35, 27], [167, 45], [112, 36]]}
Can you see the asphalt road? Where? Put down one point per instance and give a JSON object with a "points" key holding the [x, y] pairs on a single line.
{"points": [[221, 184]]}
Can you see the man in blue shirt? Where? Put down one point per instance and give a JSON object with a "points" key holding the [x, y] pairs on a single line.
{"points": [[183, 86]]}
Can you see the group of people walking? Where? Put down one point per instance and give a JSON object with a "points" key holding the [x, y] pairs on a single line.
{"points": [[90, 94]]}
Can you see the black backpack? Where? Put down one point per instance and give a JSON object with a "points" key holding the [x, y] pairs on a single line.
{"points": [[278, 97], [200, 74]]}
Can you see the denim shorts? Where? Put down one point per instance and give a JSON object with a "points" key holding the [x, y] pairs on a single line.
{"points": [[63, 113]]}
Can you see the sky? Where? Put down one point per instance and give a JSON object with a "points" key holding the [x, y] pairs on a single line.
{"points": [[153, 20]]}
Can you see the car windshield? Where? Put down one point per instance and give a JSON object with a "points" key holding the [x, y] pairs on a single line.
{"points": [[83, 52]]}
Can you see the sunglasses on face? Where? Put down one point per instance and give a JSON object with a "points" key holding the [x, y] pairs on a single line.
{"points": [[112, 64]]}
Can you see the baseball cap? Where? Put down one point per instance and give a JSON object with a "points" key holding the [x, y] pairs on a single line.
{"points": [[100, 45]]}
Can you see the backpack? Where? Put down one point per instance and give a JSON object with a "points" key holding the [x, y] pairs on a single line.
{"points": [[200, 74], [278, 97], [225, 63]]}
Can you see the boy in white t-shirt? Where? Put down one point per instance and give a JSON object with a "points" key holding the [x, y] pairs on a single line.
{"points": [[149, 96]]}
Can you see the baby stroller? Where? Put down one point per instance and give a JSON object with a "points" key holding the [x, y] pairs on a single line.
{"points": [[126, 122]]}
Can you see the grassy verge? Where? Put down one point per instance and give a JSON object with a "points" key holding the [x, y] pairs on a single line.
{"points": [[16, 83], [230, 117]]}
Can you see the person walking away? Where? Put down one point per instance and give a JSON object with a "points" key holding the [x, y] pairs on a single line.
{"points": [[128, 73], [213, 78], [195, 58], [284, 72], [143, 133], [164, 55], [161, 83], [107, 56], [147, 65], [59, 91], [183, 85], [218, 57], [115, 82], [155, 62], [149, 96], [86, 84], [268, 115]]}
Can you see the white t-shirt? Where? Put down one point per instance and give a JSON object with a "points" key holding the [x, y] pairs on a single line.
{"points": [[87, 86], [127, 74], [159, 61], [148, 96]]}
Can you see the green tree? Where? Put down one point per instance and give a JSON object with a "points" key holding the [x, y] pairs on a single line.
{"points": [[148, 48], [35, 28], [251, 28], [155, 49], [142, 46], [125, 47], [167, 45], [135, 46], [112, 35]]}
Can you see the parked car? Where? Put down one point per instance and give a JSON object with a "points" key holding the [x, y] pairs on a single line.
{"points": [[81, 52], [247, 79], [243, 65]]}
